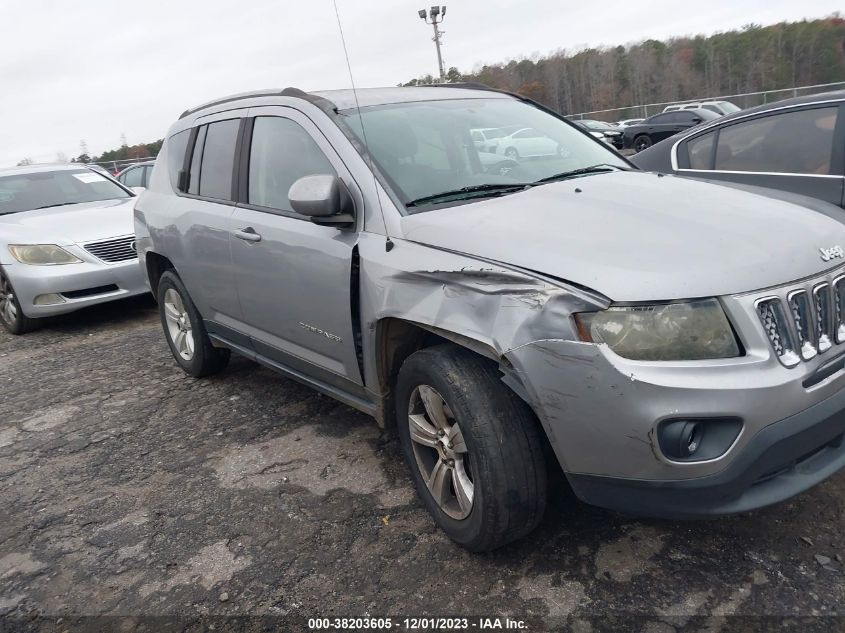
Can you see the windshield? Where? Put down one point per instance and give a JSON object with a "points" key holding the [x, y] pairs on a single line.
{"points": [[727, 107], [40, 189], [428, 147], [598, 125]]}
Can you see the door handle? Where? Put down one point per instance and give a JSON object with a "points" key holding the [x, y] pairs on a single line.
{"points": [[248, 235]]}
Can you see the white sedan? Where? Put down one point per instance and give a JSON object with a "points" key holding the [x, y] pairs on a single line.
{"points": [[526, 143]]}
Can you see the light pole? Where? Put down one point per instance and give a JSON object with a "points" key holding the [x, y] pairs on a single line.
{"points": [[436, 14]]}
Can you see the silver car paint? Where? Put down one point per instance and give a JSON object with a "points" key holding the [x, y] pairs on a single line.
{"points": [[504, 277], [69, 227]]}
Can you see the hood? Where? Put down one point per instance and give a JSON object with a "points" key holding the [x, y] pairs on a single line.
{"points": [[70, 224], [635, 236]]}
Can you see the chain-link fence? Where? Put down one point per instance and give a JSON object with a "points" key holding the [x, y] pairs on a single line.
{"points": [[116, 166], [744, 100]]}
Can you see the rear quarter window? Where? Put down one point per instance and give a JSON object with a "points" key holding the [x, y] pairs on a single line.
{"points": [[177, 145]]}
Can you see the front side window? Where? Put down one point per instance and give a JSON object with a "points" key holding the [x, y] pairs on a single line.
{"points": [[42, 189], [282, 152], [797, 142], [687, 117], [133, 177], [426, 148]]}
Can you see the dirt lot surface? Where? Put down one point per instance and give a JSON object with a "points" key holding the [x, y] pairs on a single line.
{"points": [[130, 489]]}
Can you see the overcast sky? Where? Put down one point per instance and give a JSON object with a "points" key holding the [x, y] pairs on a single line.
{"points": [[96, 69]]}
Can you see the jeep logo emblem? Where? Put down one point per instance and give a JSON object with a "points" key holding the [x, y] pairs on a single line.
{"points": [[831, 253]]}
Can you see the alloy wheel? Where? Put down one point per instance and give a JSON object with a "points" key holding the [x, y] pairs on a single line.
{"points": [[642, 143], [179, 326], [440, 452], [8, 308]]}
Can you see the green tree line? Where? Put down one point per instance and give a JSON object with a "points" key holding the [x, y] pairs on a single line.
{"points": [[752, 59], [124, 152]]}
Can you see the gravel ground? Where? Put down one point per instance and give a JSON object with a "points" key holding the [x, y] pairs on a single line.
{"points": [[130, 490]]}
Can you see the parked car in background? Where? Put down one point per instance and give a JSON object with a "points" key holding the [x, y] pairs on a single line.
{"points": [[66, 242], [660, 126], [97, 168], [527, 143], [487, 139], [627, 122], [607, 131], [658, 335], [137, 175], [719, 107], [796, 145]]}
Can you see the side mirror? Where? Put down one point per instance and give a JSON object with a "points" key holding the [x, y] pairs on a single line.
{"points": [[697, 120], [323, 198], [138, 190]]}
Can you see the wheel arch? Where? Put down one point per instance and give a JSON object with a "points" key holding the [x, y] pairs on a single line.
{"points": [[156, 266], [396, 339]]}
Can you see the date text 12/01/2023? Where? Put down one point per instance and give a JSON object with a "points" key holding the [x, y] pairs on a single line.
{"points": [[413, 624]]}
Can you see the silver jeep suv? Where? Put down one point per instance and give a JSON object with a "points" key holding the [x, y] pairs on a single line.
{"points": [[679, 346]]}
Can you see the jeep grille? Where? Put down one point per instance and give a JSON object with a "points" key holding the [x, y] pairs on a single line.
{"points": [[807, 321]]}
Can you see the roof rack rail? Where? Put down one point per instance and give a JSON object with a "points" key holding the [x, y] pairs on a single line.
{"points": [[321, 102]]}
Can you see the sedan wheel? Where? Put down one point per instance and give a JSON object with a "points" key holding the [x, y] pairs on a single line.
{"points": [[8, 306], [440, 452], [11, 315]]}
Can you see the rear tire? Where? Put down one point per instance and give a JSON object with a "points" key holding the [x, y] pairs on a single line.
{"points": [[185, 331], [476, 457], [642, 142], [11, 315]]}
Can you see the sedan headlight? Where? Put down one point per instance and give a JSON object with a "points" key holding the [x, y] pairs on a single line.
{"points": [[691, 330], [42, 254]]}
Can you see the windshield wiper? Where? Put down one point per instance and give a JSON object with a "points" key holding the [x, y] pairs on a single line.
{"points": [[592, 169], [58, 204], [473, 191]]}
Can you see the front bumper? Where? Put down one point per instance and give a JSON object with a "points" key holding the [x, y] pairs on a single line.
{"points": [[87, 284], [781, 461], [603, 414]]}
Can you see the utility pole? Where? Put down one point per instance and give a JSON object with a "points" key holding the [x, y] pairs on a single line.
{"points": [[436, 14]]}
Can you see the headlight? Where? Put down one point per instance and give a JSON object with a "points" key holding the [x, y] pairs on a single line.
{"points": [[42, 254], [692, 330]]}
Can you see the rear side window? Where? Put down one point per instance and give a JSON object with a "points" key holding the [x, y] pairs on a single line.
{"points": [[797, 142], [218, 159], [281, 153], [176, 147]]}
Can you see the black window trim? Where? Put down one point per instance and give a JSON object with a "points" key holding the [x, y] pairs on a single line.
{"points": [[185, 172], [837, 159]]}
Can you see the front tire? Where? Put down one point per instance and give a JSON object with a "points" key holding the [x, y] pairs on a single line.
{"points": [[185, 331], [473, 448], [11, 315], [512, 154], [642, 142]]}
